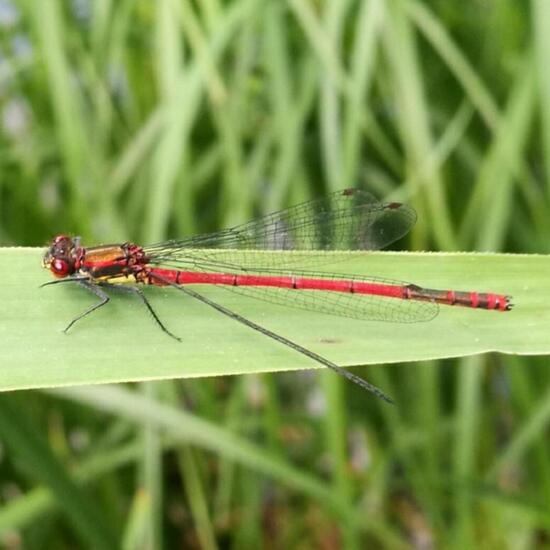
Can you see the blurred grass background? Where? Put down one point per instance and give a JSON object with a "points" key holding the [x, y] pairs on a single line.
{"points": [[137, 120]]}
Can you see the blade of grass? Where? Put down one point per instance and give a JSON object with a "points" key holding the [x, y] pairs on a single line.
{"points": [[38, 354], [193, 485], [33, 456], [468, 419], [152, 476], [196, 498], [71, 126], [541, 26], [196, 431], [181, 111], [136, 534], [493, 192], [434, 30], [336, 441], [529, 434], [524, 395], [28, 508], [362, 68], [407, 79], [333, 19]]}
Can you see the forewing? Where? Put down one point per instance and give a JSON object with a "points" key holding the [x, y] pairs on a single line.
{"points": [[301, 235]]}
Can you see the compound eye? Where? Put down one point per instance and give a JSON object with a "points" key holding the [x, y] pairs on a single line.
{"points": [[60, 268]]}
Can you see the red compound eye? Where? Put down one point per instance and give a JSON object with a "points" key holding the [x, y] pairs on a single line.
{"points": [[60, 268]]}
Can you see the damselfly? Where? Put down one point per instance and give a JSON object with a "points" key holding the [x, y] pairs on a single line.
{"points": [[271, 259]]}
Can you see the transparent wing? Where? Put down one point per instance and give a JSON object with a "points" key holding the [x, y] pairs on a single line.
{"points": [[346, 220], [355, 306], [342, 304]]}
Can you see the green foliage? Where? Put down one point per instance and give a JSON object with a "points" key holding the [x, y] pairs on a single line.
{"points": [[138, 120]]}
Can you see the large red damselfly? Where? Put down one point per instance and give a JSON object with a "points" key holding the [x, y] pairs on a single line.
{"points": [[264, 259]]}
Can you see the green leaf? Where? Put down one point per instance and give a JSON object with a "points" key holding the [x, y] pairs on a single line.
{"points": [[121, 342]]}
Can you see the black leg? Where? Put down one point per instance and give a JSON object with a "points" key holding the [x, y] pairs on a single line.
{"points": [[84, 281], [138, 292], [65, 280], [277, 337], [92, 288]]}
